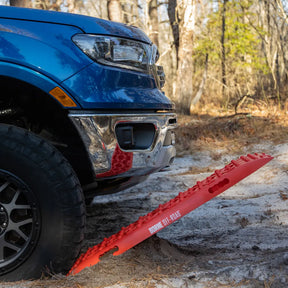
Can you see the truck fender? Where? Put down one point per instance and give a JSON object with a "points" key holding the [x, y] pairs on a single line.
{"points": [[34, 78]]}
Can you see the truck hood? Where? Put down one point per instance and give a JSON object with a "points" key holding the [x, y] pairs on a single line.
{"points": [[85, 23]]}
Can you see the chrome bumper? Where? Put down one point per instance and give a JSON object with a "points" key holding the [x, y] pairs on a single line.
{"points": [[98, 134]]}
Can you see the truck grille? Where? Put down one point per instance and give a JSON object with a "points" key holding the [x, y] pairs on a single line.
{"points": [[160, 75]]}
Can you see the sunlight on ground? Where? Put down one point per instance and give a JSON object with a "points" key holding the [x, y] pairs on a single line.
{"points": [[223, 131]]}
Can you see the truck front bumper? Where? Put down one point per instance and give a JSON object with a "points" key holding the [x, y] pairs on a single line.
{"points": [[127, 145]]}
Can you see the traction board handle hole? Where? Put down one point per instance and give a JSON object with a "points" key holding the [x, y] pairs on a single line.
{"points": [[219, 185]]}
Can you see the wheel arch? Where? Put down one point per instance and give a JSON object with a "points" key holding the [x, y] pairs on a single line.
{"points": [[29, 105]]}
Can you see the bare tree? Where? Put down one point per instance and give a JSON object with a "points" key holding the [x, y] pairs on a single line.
{"points": [[135, 14], [184, 89], [21, 3], [114, 10], [153, 21], [174, 22], [273, 21], [223, 52], [200, 91]]}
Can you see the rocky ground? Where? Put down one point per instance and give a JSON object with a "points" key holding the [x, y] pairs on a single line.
{"points": [[238, 239]]}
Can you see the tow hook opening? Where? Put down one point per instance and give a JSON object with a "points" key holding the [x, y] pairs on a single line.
{"points": [[135, 136]]}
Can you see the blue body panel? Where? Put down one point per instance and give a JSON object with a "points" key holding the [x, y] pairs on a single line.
{"points": [[40, 42], [114, 88], [85, 23], [51, 53]]}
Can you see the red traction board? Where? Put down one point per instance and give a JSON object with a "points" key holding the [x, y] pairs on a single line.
{"points": [[173, 210]]}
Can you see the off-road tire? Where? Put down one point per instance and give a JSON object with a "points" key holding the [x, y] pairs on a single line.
{"points": [[42, 210]]}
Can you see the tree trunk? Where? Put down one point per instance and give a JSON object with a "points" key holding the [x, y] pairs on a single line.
{"points": [[126, 10], [114, 10], [20, 3], [223, 58], [199, 93], [153, 22], [184, 88], [174, 23]]}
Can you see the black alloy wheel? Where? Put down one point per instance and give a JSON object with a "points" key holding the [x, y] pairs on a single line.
{"points": [[42, 208], [19, 221]]}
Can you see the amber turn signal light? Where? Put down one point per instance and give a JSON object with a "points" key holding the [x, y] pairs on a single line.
{"points": [[62, 97]]}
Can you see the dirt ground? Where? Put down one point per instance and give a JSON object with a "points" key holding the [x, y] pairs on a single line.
{"points": [[238, 239]]}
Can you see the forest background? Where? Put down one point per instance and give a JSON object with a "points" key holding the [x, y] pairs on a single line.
{"points": [[222, 59], [226, 65]]}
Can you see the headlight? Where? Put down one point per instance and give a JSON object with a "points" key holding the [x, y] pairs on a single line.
{"points": [[119, 52]]}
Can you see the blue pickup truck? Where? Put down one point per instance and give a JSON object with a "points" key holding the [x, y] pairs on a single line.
{"points": [[82, 114]]}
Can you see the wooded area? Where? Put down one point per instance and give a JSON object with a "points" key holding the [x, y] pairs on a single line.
{"points": [[213, 51]]}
